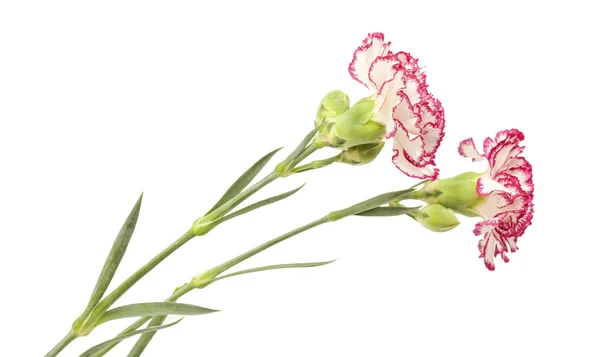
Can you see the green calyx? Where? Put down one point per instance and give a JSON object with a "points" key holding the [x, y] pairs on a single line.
{"points": [[355, 124], [352, 128], [361, 154], [458, 193], [333, 104], [437, 218]]}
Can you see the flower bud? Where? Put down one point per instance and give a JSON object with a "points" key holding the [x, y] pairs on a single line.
{"points": [[361, 154], [437, 218], [353, 127], [333, 104], [355, 124], [458, 193]]}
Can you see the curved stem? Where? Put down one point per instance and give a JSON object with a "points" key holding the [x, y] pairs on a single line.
{"points": [[214, 272], [62, 344]]}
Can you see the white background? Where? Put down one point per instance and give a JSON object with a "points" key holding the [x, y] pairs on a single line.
{"points": [[99, 101]]}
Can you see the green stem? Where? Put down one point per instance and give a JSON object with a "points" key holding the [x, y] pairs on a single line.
{"points": [[70, 337], [179, 292], [202, 280], [142, 342], [240, 197], [304, 154], [317, 164], [111, 298], [214, 272]]}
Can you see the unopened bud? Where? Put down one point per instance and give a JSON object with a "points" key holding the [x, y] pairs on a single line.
{"points": [[333, 104], [361, 154], [354, 127], [437, 218]]}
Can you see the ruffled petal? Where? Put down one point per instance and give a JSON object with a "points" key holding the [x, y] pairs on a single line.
{"points": [[383, 71], [364, 56], [467, 148], [508, 187], [427, 171], [486, 185], [411, 115]]}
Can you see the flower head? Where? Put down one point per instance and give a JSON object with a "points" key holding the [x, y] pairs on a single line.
{"points": [[507, 194], [402, 103]]}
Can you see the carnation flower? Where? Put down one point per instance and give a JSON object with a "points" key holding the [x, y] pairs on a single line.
{"points": [[403, 104], [507, 192]]}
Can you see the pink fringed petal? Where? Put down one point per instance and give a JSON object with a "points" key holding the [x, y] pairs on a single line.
{"points": [[427, 171], [412, 116], [508, 187], [467, 148], [373, 46]]}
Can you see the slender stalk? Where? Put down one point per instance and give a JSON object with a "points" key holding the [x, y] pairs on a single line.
{"points": [[317, 164], [306, 153], [239, 198], [211, 275], [87, 323], [110, 299], [62, 344], [179, 292], [214, 272]]}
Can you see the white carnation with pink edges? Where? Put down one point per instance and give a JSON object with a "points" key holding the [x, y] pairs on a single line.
{"points": [[411, 115], [507, 186]]}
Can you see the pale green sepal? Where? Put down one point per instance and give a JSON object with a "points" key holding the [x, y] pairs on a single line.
{"points": [[361, 154], [356, 127]]}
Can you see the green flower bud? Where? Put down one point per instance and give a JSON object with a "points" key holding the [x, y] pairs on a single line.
{"points": [[333, 104], [353, 127], [457, 193], [437, 218], [361, 154], [355, 124]]}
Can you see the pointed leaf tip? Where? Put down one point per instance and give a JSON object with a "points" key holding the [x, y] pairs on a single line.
{"points": [[244, 180], [114, 257], [153, 309]]}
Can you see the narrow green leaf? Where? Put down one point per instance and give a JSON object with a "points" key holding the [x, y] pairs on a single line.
{"points": [[134, 326], [259, 204], [387, 211], [153, 309], [298, 150], [366, 205], [144, 340], [244, 180], [114, 256], [274, 267], [99, 347]]}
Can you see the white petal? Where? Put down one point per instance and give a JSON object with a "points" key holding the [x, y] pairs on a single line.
{"points": [[467, 148], [373, 47], [383, 70], [486, 185], [426, 172]]}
